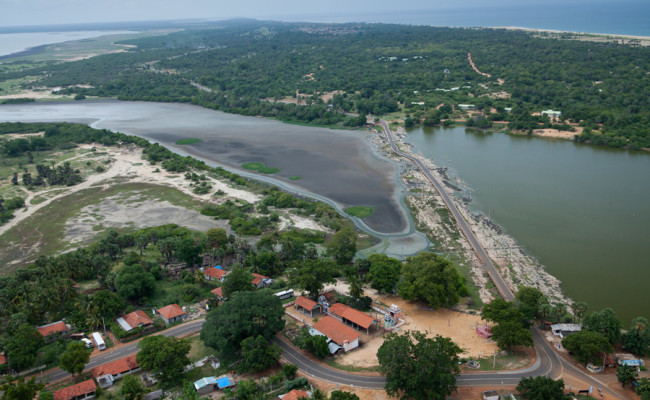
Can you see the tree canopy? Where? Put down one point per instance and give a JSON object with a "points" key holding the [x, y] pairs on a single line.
{"points": [[604, 322], [637, 338], [384, 272], [258, 354], [541, 388], [418, 367], [430, 278], [587, 346], [164, 356], [244, 315], [75, 357]]}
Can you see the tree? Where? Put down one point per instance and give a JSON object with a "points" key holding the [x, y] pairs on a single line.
{"points": [[131, 388], [579, 309], [258, 354], [75, 357], [509, 334], [342, 395], [165, 357], [643, 388], [343, 246], [244, 315], [237, 280], [499, 310], [23, 346], [587, 346], [604, 322], [189, 251], [21, 389], [528, 300], [559, 310], [312, 275], [541, 388], [419, 367], [217, 238], [637, 338], [430, 278], [545, 310], [289, 371], [109, 304], [133, 282], [384, 272], [356, 290], [626, 374]]}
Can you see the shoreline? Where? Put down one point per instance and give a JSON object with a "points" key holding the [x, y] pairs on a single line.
{"points": [[617, 35], [515, 266]]}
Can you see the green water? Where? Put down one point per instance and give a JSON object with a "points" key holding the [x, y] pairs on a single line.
{"points": [[582, 211]]}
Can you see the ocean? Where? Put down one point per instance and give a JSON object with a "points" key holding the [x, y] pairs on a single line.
{"points": [[610, 17]]}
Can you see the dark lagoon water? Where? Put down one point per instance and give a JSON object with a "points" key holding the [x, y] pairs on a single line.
{"points": [[583, 211], [338, 165]]}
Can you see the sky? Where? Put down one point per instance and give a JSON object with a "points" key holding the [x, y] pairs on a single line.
{"points": [[54, 12]]}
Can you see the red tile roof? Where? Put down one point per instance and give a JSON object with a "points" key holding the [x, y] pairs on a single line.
{"points": [[136, 318], [257, 278], [336, 330], [171, 311], [217, 292], [50, 329], [73, 391], [295, 394], [3, 359], [116, 367], [307, 304], [352, 315], [215, 273]]}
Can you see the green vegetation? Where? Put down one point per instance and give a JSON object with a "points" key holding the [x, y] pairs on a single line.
{"points": [[188, 141], [295, 178], [360, 211], [419, 367], [542, 388], [244, 64], [259, 167]]}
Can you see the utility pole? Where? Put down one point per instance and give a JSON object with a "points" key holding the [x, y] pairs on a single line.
{"points": [[494, 360], [104, 324]]}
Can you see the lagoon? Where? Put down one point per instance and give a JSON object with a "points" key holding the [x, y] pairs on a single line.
{"points": [[583, 211]]}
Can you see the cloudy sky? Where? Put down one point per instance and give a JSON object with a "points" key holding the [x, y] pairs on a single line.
{"points": [[47, 12]]}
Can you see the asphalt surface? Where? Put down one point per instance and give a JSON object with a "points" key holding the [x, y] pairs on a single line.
{"points": [[501, 286]]}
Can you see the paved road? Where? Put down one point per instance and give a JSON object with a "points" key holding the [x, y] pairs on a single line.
{"points": [[131, 348], [501, 286]]}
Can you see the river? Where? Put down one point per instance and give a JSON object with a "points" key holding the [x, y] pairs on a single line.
{"points": [[582, 211]]}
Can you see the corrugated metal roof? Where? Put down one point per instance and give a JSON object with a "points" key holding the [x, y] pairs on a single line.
{"points": [[203, 382]]}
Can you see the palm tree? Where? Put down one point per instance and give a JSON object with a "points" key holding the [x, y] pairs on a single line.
{"points": [[318, 394], [545, 309], [581, 309], [559, 310]]}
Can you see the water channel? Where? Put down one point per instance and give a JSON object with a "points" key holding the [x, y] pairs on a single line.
{"points": [[583, 211]]}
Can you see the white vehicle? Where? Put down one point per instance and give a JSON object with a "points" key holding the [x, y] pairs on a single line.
{"points": [[99, 342], [285, 294], [88, 342]]}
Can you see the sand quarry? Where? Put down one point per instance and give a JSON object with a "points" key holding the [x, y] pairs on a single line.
{"points": [[457, 325]]}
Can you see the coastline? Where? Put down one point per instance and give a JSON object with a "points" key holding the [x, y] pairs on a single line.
{"points": [[593, 36], [516, 266]]}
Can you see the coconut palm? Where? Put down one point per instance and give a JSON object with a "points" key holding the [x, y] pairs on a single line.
{"points": [[545, 310], [559, 311]]}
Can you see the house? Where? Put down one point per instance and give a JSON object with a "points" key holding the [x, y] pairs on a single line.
{"points": [[563, 330], [108, 373], [218, 292], [54, 328], [80, 391], [172, 313], [215, 274], [484, 331], [306, 305], [134, 320], [295, 394], [3, 360], [156, 395], [209, 384], [466, 107], [626, 359], [260, 281], [352, 316], [552, 114], [342, 335], [490, 395]]}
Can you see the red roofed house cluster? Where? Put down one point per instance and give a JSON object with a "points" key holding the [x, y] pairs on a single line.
{"points": [[172, 313], [215, 274], [108, 373], [134, 320], [80, 391], [306, 305], [54, 328], [341, 334], [260, 281], [352, 316]]}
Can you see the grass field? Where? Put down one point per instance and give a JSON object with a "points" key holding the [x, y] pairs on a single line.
{"points": [[360, 211], [188, 141], [259, 167], [44, 232]]}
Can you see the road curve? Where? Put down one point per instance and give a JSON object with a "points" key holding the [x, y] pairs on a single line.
{"points": [[496, 278]]}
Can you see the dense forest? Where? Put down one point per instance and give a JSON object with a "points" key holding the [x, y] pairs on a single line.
{"points": [[246, 67]]}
